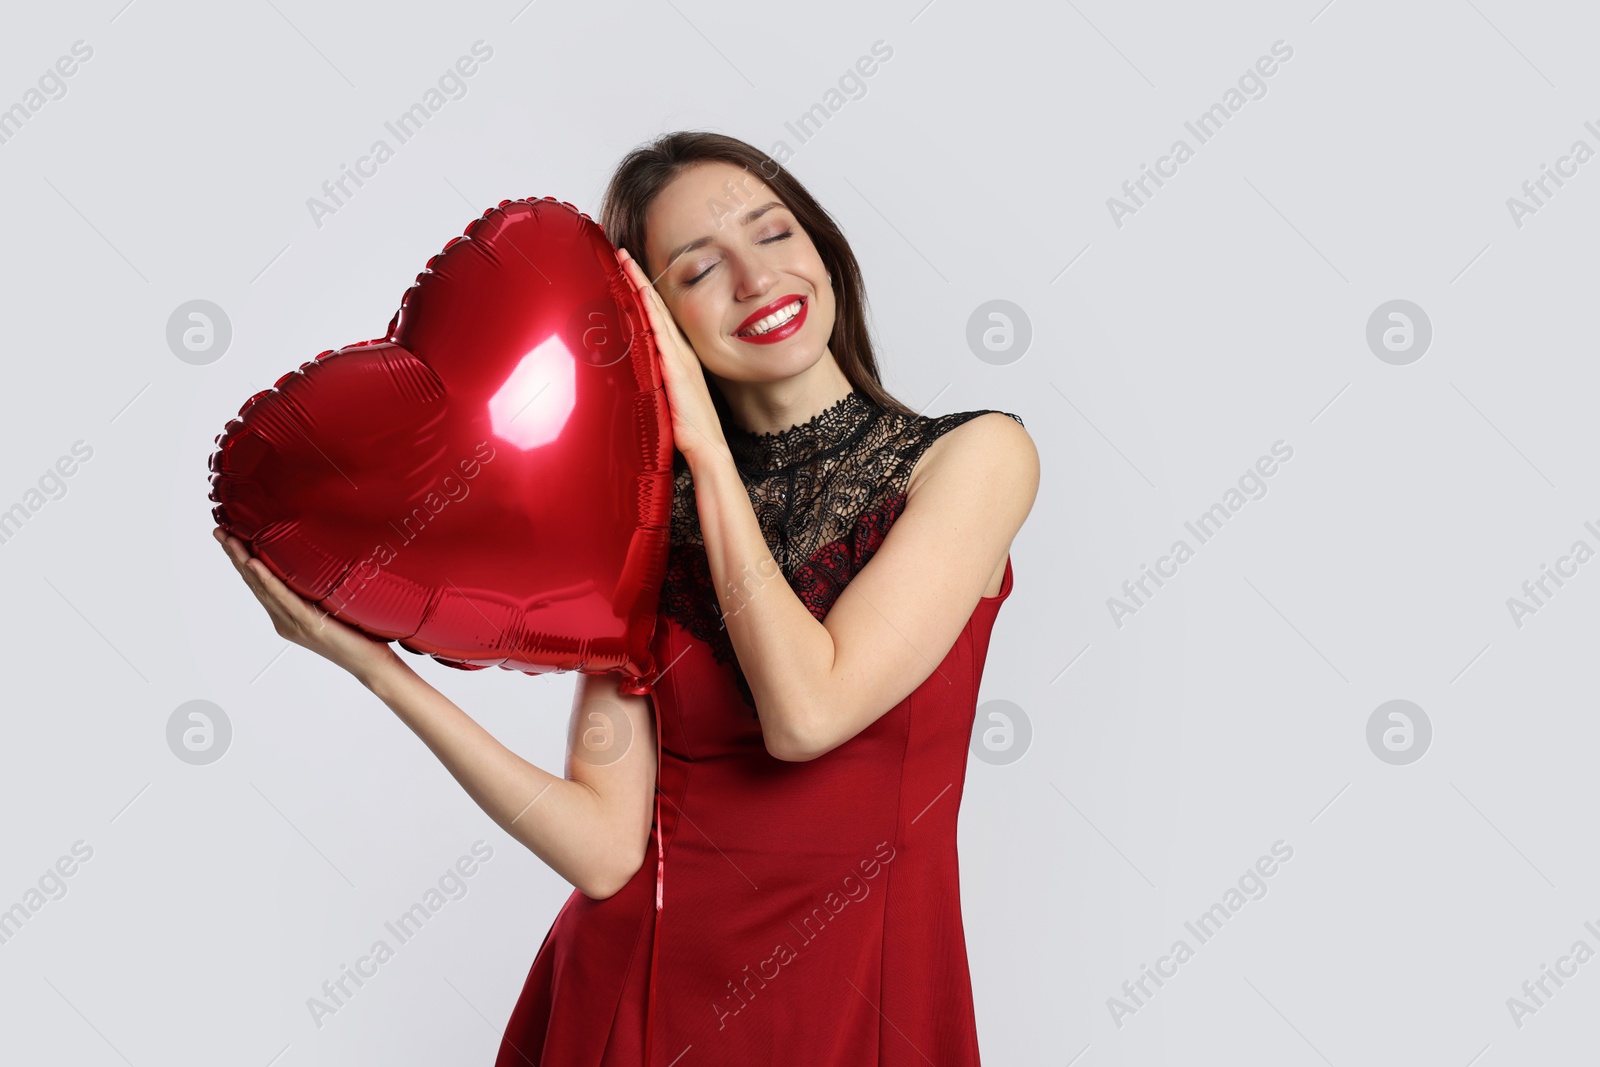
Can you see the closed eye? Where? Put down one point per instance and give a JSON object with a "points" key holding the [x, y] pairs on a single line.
{"points": [[784, 236]]}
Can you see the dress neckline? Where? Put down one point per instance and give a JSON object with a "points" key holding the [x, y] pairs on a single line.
{"points": [[827, 431]]}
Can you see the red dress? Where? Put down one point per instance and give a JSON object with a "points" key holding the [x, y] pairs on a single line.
{"points": [[787, 913]]}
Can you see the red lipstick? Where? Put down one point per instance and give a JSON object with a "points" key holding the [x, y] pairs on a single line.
{"points": [[787, 330]]}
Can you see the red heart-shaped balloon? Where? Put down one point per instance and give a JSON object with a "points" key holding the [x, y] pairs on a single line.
{"points": [[490, 482]]}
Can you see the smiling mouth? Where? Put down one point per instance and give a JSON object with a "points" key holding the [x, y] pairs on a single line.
{"points": [[774, 320]]}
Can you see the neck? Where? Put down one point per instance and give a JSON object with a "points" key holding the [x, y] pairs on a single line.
{"points": [[771, 407], [829, 430]]}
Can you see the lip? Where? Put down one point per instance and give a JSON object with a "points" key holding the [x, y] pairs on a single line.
{"points": [[788, 329]]}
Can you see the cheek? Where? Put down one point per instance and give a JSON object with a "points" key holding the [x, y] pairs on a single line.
{"points": [[697, 318]]}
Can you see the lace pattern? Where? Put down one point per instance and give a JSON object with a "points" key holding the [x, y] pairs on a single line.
{"points": [[825, 492]]}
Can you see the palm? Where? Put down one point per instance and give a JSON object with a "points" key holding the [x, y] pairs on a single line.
{"points": [[694, 418], [298, 620]]}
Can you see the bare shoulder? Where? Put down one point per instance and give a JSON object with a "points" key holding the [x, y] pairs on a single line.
{"points": [[991, 446], [986, 469]]}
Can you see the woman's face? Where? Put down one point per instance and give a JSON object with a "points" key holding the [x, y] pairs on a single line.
{"points": [[750, 266]]}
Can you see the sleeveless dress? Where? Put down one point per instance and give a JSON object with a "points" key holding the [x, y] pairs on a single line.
{"points": [[795, 914]]}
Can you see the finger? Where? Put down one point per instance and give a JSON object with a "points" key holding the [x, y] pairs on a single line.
{"points": [[250, 570], [632, 271], [252, 580], [294, 606], [238, 557], [659, 310], [645, 287], [662, 325], [267, 588], [287, 599], [235, 548], [654, 310], [637, 276]]}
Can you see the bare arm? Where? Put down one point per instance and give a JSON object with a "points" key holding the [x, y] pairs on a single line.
{"points": [[592, 826], [818, 684]]}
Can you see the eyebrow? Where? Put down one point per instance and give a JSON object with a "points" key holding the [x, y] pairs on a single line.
{"points": [[700, 242]]}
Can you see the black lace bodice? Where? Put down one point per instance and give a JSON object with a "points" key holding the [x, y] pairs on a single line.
{"points": [[825, 492]]}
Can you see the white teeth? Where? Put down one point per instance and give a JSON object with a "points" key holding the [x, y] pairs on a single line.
{"points": [[774, 320]]}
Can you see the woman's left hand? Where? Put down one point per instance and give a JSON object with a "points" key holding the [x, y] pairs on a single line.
{"points": [[696, 429]]}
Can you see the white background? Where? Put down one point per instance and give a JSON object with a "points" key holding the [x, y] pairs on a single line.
{"points": [[1168, 353]]}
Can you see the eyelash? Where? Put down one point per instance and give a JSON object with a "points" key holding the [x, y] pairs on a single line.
{"points": [[785, 235]]}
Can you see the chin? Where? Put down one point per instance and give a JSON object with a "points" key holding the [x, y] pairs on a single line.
{"points": [[775, 366]]}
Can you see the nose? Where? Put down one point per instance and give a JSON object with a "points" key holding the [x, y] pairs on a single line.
{"points": [[753, 276]]}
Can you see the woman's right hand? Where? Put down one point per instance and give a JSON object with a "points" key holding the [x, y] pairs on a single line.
{"points": [[298, 620]]}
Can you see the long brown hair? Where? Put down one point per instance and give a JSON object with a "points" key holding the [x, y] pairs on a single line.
{"points": [[648, 169]]}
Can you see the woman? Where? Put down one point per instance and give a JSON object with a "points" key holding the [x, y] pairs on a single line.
{"points": [[763, 849]]}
